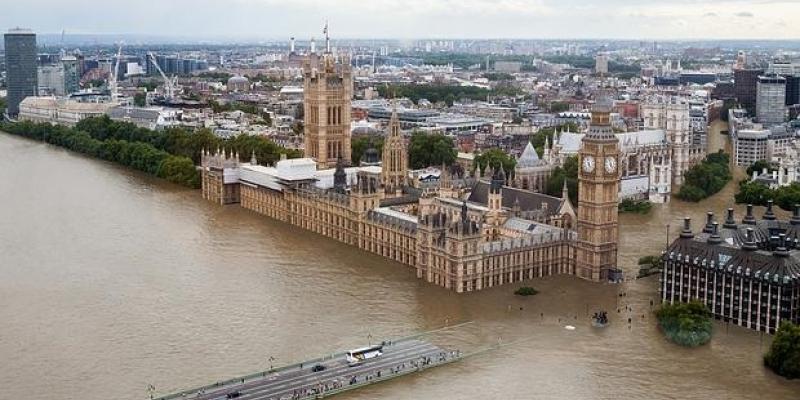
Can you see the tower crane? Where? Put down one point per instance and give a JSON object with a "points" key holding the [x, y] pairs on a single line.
{"points": [[114, 76], [169, 84]]}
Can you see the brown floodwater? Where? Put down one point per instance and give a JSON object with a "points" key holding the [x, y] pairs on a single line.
{"points": [[111, 280]]}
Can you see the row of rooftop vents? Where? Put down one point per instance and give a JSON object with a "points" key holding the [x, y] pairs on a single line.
{"points": [[750, 242]]}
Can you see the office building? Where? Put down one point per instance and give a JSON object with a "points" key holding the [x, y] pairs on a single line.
{"points": [[745, 82], [21, 63], [746, 272], [601, 64], [771, 99], [71, 74]]}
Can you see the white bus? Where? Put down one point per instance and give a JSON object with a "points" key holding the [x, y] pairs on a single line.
{"points": [[359, 355]]}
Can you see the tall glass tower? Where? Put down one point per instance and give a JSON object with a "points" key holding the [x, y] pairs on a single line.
{"points": [[21, 63]]}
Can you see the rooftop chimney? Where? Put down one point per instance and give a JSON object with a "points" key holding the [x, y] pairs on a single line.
{"points": [[715, 238], [781, 250], [750, 241], [686, 233], [730, 223], [795, 215], [749, 219], [769, 215], [709, 222]]}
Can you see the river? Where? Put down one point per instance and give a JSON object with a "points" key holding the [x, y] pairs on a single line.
{"points": [[111, 280]]}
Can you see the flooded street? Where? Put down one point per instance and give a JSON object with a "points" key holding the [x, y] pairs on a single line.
{"points": [[111, 280]]}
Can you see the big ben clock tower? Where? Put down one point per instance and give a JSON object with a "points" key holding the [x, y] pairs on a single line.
{"points": [[598, 191]]}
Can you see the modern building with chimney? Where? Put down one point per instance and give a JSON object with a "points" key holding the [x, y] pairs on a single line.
{"points": [[747, 272]]}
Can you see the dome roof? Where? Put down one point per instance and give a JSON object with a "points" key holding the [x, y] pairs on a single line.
{"points": [[238, 79]]}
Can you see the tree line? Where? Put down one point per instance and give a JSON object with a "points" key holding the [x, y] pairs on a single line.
{"points": [[759, 194], [707, 178], [138, 155], [434, 93], [170, 154]]}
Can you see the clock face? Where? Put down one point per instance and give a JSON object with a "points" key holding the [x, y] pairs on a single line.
{"points": [[611, 164], [588, 164]]}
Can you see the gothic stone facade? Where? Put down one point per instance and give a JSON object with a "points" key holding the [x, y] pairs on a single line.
{"points": [[462, 245], [327, 89]]}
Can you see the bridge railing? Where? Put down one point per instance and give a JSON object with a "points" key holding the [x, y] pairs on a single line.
{"points": [[264, 374]]}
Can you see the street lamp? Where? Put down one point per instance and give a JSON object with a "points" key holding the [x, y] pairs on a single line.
{"points": [[667, 238], [271, 359], [369, 339]]}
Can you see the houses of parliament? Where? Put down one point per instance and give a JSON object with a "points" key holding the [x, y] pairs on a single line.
{"points": [[464, 233]]}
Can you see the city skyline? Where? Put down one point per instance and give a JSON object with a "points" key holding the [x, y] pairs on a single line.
{"points": [[513, 19]]}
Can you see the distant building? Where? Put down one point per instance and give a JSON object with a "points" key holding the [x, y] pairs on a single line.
{"points": [[21, 72], [700, 78], [145, 117], [238, 84], [745, 82], [673, 115], [71, 74], [59, 111], [507, 66], [51, 80], [792, 90], [755, 143], [601, 64], [771, 99], [724, 90]]}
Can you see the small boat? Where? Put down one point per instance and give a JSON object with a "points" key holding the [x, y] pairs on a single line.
{"points": [[598, 324], [600, 319], [569, 328]]}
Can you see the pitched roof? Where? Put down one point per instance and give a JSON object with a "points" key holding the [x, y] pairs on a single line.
{"points": [[529, 157], [528, 201]]}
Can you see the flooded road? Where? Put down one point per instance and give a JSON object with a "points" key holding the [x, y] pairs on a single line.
{"points": [[111, 280]]}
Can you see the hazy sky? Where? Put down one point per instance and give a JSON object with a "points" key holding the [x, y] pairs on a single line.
{"points": [[269, 19]]}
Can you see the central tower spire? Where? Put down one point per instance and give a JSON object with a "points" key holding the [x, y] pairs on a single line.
{"points": [[598, 192], [327, 91]]}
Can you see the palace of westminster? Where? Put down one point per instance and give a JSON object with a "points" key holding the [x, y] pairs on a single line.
{"points": [[464, 233]]}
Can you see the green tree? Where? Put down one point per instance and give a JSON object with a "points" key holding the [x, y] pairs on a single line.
{"points": [[434, 93], [753, 193], [139, 99], [498, 76], [706, 178], [426, 150], [170, 154], [546, 134], [783, 356], [360, 144], [179, 170], [687, 324], [493, 159], [759, 166], [787, 196], [559, 106], [2, 106], [568, 173]]}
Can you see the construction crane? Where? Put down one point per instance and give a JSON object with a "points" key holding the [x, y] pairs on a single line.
{"points": [[169, 84], [113, 85]]}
